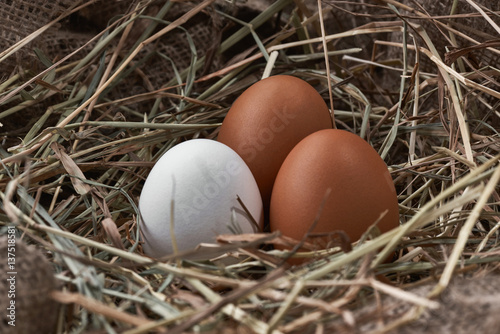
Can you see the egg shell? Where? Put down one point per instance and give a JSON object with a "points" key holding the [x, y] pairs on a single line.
{"points": [[203, 177], [361, 188], [268, 119]]}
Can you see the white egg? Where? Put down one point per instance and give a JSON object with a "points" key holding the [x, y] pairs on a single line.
{"points": [[203, 178]]}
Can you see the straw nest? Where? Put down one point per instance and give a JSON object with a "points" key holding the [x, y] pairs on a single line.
{"points": [[94, 93]]}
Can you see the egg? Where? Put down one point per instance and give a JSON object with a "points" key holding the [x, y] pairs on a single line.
{"points": [[337, 176], [203, 178], [268, 119]]}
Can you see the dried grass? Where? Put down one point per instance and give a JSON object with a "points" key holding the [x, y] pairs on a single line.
{"points": [[71, 178]]}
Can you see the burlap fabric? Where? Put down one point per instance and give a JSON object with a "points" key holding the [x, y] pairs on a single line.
{"points": [[468, 305], [466, 20], [28, 287], [347, 15], [20, 18], [158, 61]]}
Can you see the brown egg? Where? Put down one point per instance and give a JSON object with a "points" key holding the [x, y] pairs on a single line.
{"points": [[268, 120], [345, 166]]}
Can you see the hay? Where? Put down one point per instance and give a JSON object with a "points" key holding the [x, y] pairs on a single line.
{"points": [[89, 102]]}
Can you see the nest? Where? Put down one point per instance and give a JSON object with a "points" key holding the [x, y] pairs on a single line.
{"points": [[92, 94]]}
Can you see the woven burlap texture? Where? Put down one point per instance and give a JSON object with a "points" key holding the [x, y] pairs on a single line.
{"points": [[20, 18], [195, 38], [467, 20], [35, 311]]}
